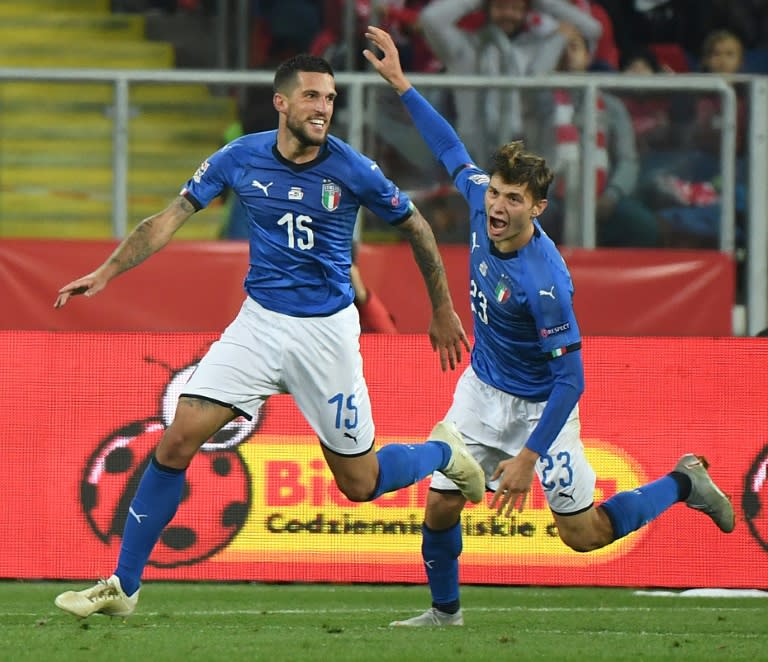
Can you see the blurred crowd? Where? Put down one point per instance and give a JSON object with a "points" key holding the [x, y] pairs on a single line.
{"points": [[656, 154]]}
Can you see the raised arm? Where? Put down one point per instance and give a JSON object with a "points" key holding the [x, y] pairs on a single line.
{"points": [[440, 136], [439, 21], [147, 238], [567, 12]]}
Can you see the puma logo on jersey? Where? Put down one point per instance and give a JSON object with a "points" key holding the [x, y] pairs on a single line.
{"points": [[263, 187], [548, 293]]}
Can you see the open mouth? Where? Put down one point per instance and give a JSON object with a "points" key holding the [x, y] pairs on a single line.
{"points": [[496, 224]]}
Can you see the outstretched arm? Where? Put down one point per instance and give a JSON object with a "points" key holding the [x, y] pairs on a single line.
{"points": [[439, 135], [445, 332], [147, 238]]}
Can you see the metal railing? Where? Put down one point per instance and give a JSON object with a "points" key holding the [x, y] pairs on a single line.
{"points": [[355, 85]]}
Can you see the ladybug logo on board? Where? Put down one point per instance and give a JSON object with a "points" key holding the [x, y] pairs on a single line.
{"points": [[755, 498], [217, 492]]}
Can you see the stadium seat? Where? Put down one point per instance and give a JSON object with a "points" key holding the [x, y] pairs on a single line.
{"points": [[756, 61], [56, 137], [672, 56]]}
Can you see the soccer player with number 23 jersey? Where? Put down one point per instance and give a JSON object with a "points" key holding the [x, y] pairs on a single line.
{"points": [[516, 405]]}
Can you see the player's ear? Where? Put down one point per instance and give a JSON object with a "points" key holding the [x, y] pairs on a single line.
{"points": [[279, 102], [539, 207]]}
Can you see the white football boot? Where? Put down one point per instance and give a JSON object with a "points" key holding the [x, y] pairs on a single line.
{"points": [[462, 468], [106, 597], [431, 618]]}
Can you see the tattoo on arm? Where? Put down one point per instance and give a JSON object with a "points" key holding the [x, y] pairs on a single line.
{"points": [[134, 249], [150, 235], [428, 258], [185, 205]]}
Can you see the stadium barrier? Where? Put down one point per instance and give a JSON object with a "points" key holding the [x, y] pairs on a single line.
{"points": [[618, 291], [82, 411]]}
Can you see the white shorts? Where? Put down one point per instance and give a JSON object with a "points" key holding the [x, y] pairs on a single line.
{"points": [[315, 359], [496, 425]]}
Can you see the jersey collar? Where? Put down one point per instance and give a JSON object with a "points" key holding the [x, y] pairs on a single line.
{"points": [[323, 154]]}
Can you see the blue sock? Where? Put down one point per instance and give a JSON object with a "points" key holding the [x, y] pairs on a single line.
{"points": [[628, 511], [440, 551], [401, 465], [153, 506]]}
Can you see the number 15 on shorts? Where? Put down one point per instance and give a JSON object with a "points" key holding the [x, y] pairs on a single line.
{"points": [[346, 411]]}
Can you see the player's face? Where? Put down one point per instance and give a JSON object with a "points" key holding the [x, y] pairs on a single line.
{"points": [[308, 107], [510, 209]]}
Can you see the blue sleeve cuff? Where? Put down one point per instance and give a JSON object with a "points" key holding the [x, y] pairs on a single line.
{"points": [[569, 385]]}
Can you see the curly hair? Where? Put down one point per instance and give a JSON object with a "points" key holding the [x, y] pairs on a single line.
{"points": [[517, 166]]}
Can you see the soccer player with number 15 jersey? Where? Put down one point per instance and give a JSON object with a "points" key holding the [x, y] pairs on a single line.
{"points": [[297, 331]]}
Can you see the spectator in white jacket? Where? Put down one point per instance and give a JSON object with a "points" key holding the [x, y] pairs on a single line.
{"points": [[508, 44]]}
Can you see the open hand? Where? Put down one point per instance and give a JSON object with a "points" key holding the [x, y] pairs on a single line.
{"points": [[447, 336], [87, 285], [515, 478], [388, 65]]}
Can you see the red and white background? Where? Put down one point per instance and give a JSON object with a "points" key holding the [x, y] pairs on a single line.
{"points": [[82, 410]]}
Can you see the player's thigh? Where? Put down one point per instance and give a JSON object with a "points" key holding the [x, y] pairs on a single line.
{"points": [[195, 422], [355, 475], [323, 371], [198, 419], [479, 411], [566, 476], [585, 531], [493, 424], [241, 369]]}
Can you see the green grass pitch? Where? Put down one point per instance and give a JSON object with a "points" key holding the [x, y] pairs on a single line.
{"points": [[339, 623]]}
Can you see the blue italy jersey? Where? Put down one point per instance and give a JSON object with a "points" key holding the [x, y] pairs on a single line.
{"points": [[526, 337], [300, 217], [522, 303]]}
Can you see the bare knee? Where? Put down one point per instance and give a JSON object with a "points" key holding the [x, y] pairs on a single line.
{"points": [[356, 477], [194, 423], [357, 489], [176, 450], [586, 531], [443, 509], [584, 542]]}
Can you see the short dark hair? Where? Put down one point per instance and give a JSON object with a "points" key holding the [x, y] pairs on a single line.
{"points": [[487, 5], [639, 53], [517, 166], [287, 71]]}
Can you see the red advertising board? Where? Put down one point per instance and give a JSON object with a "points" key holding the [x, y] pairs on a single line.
{"points": [[82, 412], [197, 286]]}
